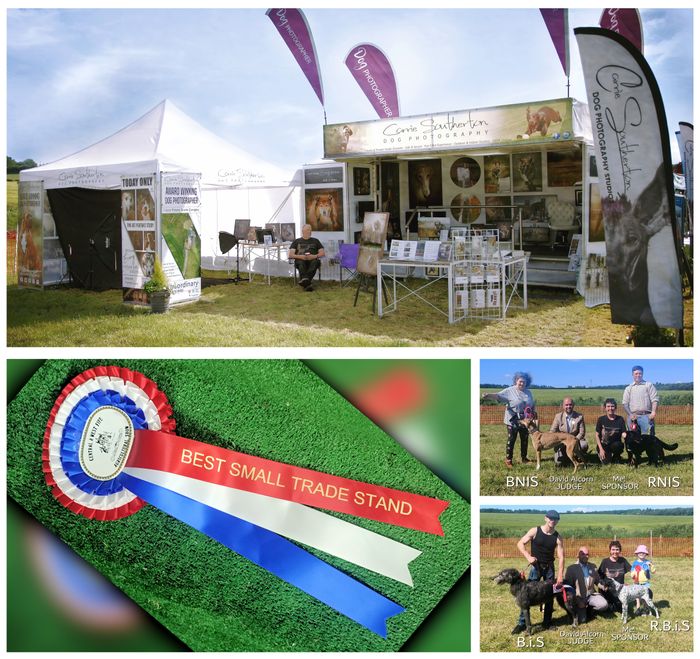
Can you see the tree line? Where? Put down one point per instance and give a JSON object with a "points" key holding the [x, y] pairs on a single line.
{"points": [[14, 167]]}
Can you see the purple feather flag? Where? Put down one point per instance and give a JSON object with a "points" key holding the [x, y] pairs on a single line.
{"points": [[293, 28], [557, 22], [626, 22], [372, 70]]}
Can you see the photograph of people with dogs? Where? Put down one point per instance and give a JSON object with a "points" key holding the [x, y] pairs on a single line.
{"points": [[584, 577], [586, 427]]}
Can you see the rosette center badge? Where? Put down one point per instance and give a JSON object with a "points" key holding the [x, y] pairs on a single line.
{"points": [[107, 439]]}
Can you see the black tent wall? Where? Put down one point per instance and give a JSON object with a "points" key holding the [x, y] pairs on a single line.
{"points": [[89, 230]]}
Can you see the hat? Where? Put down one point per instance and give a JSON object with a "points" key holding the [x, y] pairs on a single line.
{"points": [[642, 549], [552, 514]]}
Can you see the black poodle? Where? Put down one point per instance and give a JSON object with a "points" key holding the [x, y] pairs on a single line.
{"points": [[533, 593]]}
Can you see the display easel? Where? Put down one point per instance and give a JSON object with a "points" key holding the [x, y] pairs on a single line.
{"points": [[368, 284]]}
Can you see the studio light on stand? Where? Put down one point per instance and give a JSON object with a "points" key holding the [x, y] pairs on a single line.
{"points": [[227, 241]]}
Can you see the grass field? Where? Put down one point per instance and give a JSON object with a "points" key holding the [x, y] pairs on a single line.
{"points": [[12, 201], [515, 524], [254, 314], [592, 396], [673, 596], [594, 479]]}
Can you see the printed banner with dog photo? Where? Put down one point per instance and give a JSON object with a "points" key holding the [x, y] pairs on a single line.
{"points": [[138, 222], [181, 231], [636, 181], [543, 122], [576, 576], [591, 427], [30, 235]]}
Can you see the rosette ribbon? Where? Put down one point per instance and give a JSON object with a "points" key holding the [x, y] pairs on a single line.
{"points": [[110, 448]]}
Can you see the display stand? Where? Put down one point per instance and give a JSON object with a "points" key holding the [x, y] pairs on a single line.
{"points": [[483, 281]]}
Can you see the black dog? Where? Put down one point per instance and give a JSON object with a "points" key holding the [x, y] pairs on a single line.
{"points": [[533, 593], [637, 444]]}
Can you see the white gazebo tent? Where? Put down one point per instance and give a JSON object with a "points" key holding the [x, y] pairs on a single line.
{"points": [[234, 183]]}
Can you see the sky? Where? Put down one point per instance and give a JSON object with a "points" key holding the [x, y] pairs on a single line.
{"points": [[585, 372], [75, 76]]}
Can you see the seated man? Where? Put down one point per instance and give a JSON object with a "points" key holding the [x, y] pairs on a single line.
{"points": [[572, 422], [306, 252], [583, 576]]}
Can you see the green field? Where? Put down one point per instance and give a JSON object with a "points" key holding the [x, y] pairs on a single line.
{"points": [[12, 201], [593, 396], [673, 596], [512, 525], [594, 479]]}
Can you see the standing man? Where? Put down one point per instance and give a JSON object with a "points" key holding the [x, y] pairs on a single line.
{"points": [[568, 420], [640, 401], [545, 542], [583, 576], [306, 252]]}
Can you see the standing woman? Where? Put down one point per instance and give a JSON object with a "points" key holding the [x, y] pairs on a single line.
{"points": [[519, 405]]}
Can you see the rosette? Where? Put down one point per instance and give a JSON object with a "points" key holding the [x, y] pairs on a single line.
{"points": [[110, 448]]}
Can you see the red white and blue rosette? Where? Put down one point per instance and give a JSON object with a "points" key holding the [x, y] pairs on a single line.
{"points": [[119, 394], [110, 448]]}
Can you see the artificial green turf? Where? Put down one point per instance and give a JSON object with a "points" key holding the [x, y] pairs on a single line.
{"points": [[210, 597]]}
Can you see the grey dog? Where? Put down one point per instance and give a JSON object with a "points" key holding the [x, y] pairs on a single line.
{"points": [[628, 594]]}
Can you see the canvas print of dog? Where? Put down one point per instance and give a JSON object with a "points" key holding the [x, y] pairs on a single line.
{"points": [[628, 594], [527, 172], [425, 183], [465, 172], [464, 208], [539, 122], [497, 174], [534, 593], [637, 444], [551, 440], [324, 210]]}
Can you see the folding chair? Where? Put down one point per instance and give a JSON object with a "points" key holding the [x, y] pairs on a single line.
{"points": [[296, 272], [347, 257]]}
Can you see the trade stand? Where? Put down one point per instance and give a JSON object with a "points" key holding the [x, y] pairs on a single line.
{"points": [[484, 168]]}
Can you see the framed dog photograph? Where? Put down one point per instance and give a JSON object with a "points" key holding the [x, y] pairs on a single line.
{"points": [[465, 172], [564, 168], [585, 436], [360, 181], [425, 183], [465, 208], [324, 209], [527, 172], [620, 573], [497, 172], [498, 209], [240, 229]]}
